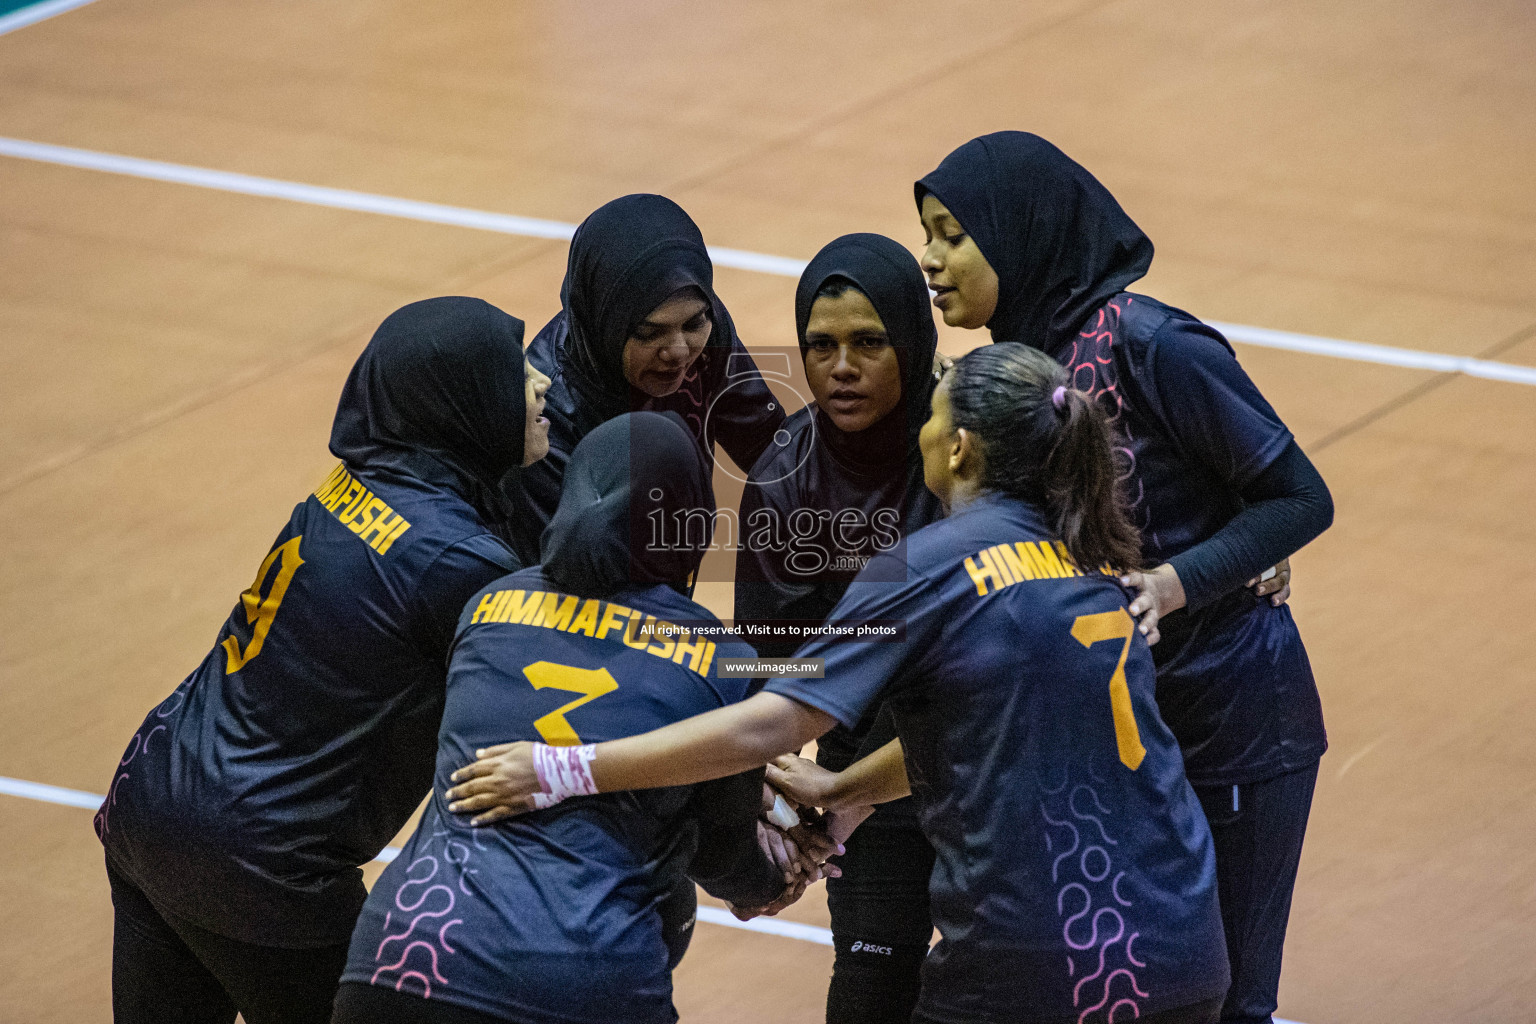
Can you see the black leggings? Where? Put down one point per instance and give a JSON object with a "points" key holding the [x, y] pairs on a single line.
{"points": [[1258, 828], [167, 970], [357, 1003], [880, 923]]}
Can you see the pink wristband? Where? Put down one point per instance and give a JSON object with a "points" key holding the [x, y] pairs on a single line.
{"points": [[563, 772]]}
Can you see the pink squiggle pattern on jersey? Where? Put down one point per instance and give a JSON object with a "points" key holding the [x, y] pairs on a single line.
{"points": [[1135, 1010], [103, 826], [136, 746], [1088, 904], [179, 695], [1076, 839], [427, 896], [1093, 934], [151, 735], [1077, 989], [1084, 816], [426, 983], [1109, 984], [1082, 863], [1091, 366]]}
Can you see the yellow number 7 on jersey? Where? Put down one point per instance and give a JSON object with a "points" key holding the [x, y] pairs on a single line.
{"points": [[591, 683], [1116, 625]]}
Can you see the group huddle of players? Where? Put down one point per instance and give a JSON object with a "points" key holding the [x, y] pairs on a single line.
{"points": [[1081, 741]]}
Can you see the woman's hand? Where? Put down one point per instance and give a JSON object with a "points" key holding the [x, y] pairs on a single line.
{"points": [[816, 845], [1159, 593], [792, 892], [1274, 584], [841, 823], [500, 784], [802, 780], [781, 850], [800, 852]]}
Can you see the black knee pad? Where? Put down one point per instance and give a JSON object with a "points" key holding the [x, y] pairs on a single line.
{"points": [[874, 982]]}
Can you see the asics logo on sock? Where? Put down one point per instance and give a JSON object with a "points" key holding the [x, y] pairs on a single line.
{"points": [[869, 947]]}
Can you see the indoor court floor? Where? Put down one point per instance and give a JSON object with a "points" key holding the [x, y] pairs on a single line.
{"points": [[171, 349]]}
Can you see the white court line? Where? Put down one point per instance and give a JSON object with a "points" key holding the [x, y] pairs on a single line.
{"points": [[1360, 351], [38, 12], [50, 794], [768, 926], [709, 915], [783, 266]]}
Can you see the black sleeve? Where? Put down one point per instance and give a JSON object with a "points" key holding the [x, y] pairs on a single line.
{"points": [[1286, 506], [746, 415], [729, 864], [460, 572]]}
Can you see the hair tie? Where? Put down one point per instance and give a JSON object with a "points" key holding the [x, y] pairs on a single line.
{"points": [[1059, 398]]}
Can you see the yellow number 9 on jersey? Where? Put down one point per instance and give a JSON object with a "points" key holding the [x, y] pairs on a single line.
{"points": [[591, 683], [260, 611]]}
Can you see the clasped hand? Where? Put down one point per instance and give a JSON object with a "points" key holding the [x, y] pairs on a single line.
{"points": [[500, 783]]}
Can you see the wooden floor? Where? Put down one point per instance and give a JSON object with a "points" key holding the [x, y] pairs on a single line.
{"points": [[170, 359]]}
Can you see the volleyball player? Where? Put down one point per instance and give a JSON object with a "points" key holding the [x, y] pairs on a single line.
{"points": [[1075, 876], [847, 484], [1027, 243], [641, 328], [244, 804], [554, 917]]}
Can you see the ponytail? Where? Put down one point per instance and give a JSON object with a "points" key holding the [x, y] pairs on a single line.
{"points": [[1046, 443]]}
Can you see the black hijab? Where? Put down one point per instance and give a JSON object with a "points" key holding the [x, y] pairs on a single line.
{"points": [[627, 478], [628, 257], [438, 395], [1059, 242], [825, 470], [890, 278]]}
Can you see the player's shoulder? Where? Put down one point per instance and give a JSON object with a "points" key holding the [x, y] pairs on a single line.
{"points": [[1167, 332], [990, 519]]}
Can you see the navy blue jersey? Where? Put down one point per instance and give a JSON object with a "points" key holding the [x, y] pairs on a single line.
{"points": [[1234, 682], [1075, 876], [304, 740], [554, 916]]}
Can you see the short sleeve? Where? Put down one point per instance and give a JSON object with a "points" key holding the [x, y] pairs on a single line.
{"points": [[859, 672], [1209, 405], [460, 572]]}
